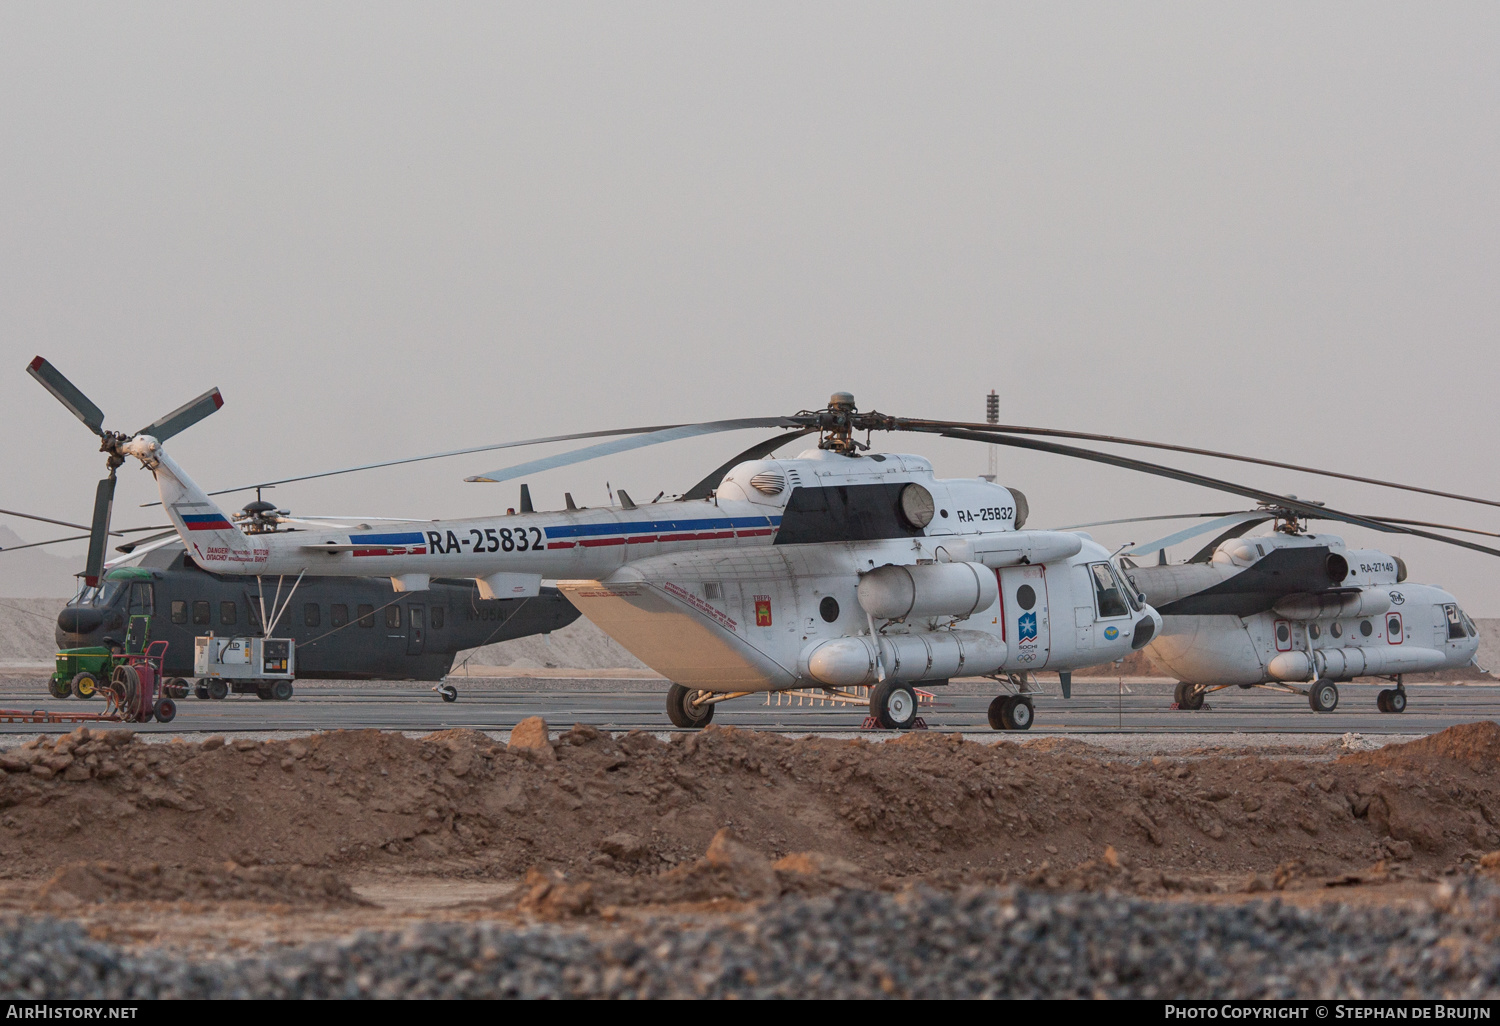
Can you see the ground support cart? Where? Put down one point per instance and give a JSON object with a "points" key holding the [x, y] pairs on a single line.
{"points": [[265, 667]]}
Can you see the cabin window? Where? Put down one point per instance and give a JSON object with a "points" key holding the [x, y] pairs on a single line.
{"points": [[1366, 628], [227, 614], [1337, 630], [202, 615], [142, 598], [1314, 631], [1107, 590], [179, 611], [393, 617], [828, 609], [312, 616], [338, 614], [438, 617], [366, 615]]}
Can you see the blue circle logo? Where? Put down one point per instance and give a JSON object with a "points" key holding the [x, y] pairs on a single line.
{"points": [[1111, 633]]}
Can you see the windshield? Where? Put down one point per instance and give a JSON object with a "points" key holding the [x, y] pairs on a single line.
{"points": [[105, 594], [1127, 586]]}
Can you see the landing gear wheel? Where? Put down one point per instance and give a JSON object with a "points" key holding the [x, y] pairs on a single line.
{"points": [[1391, 700], [217, 689], [59, 688], [1188, 696], [1323, 696], [281, 691], [84, 685], [1017, 713], [893, 705], [201, 691], [449, 693], [682, 712], [166, 710], [1380, 702], [997, 712]]}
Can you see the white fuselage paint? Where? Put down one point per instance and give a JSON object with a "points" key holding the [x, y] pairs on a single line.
{"points": [[716, 593]]}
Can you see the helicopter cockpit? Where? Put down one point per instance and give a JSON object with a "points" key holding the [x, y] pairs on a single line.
{"points": [[124, 592]]}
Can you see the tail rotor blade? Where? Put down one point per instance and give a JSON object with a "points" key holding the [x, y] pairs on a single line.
{"points": [[185, 416], [104, 500], [68, 394]]}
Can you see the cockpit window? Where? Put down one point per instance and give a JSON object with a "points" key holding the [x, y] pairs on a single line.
{"points": [[106, 593], [1458, 626], [1128, 587], [1108, 591]]}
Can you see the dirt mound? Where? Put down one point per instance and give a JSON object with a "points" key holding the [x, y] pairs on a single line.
{"points": [[279, 885], [631, 808], [1474, 745]]}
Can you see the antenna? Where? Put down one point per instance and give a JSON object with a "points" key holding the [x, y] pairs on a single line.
{"points": [[992, 416]]}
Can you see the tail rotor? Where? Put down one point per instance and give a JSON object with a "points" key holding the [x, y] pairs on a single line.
{"points": [[112, 444]]}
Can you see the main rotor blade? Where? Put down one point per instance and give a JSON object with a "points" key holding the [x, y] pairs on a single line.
{"points": [[1424, 523], [185, 416], [435, 456], [48, 520], [131, 546], [758, 451], [1188, 477], [68, 394], [672, 434], [104, 500], [1143, 520], [162, 543], [940, 426], [1233, 519], [33, 545]]}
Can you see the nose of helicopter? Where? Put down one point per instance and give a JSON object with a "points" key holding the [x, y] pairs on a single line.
{"points": [[80, 620], [1147, 627]]}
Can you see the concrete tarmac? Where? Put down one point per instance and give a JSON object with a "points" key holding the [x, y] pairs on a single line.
{"points": [[497, 704]]}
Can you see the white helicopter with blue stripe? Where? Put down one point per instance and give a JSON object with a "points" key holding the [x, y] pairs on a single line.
{"points": [[839, 569]]}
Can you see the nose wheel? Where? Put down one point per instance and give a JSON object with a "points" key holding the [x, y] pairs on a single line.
{"points": [[448, 692], [684, 710]]}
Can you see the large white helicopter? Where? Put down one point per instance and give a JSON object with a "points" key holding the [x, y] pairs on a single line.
{"points": [[837, 569], [1293, 608]]}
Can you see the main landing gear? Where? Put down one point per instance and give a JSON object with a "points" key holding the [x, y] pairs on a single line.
{"points": [[894, 705], [1323, 696], [1392, 700], [1011, 712]]}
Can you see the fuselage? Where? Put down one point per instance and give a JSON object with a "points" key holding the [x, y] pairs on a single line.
{"points": [[739, 592], [1295, 607], [345, 627]]}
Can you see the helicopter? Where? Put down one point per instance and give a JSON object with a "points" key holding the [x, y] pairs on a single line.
{"points": [[1292, 607], [841, 568]]}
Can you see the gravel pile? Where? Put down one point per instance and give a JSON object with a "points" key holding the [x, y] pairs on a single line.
{"points": [[853, 944]]}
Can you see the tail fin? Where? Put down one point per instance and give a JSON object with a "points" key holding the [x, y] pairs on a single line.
{"points": [[211, 538]]}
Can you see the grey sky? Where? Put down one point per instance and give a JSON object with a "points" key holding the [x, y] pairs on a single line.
{"points": [[384, 230]]}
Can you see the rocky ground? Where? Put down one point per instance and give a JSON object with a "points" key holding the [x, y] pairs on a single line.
{"points": [[732, 862]]}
